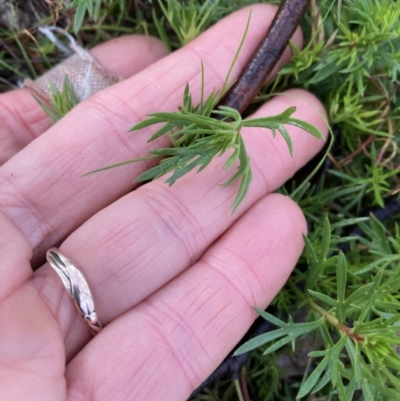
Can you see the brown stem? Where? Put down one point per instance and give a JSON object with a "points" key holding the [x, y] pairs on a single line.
{"points": [[243, 386], [267, 55]]}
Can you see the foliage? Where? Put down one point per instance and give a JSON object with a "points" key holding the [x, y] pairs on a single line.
{"points": [[198, 137], [199, 133], [358, 322], [62, 101], [187, 19], [343, 295], [358, 54], [83, 7]]}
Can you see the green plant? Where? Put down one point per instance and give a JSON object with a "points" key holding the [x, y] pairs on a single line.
{"points": [[350, 60], [83, 7], [62, 101], [198, 136], [188, 19], [358, 324]]}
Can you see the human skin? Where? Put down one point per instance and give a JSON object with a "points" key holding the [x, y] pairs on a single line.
{"points": [[175, 275]]}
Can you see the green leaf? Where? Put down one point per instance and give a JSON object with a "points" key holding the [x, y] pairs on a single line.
{"points": [[287, 139], [366, 389], [395, 381], [147, 123], [312, 380], [341, 275], [311, 129], [79, 16], [259, 341], [277, 345], [350, 389], [246, 175], [324, 298], [340, 388], [326, 238], [161, 31], [162, 131], [182, 170], [331, 358], [310, 251], [359, 294], [62, 101], [271, 121], [370, 298], [270, 318], [157, 171], [381, 263], [324, 380], [289, 330]]}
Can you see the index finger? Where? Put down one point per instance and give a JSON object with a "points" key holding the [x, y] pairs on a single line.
{"points": [[21, 117], [41, 190]]}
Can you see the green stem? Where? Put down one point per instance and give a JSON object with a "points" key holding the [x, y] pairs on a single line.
{"points": [[326, 315], [312, 305], [238, 390]]}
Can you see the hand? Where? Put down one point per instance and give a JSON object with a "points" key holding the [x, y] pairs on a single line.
{"points": [[173, 272]]}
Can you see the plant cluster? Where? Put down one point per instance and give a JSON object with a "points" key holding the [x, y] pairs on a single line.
{"points": [[62, 100], [358, 322], [343, 298], [198, 137]]}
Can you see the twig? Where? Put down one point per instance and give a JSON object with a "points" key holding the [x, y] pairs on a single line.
{"points": [[267, 55], [243, 386]]}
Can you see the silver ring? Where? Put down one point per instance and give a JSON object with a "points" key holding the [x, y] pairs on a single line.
{"points": [[75, 283]]}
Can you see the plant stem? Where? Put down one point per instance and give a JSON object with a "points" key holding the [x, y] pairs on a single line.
{"points": [[326, 315], [243, 386], [238, 390], [312, 305], [267, 55]]}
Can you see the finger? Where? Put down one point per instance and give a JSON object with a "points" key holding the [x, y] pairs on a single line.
{"points": [[94, 135], [139, 243], [21, 117], [32, 357], [14, 251], [166, 346]]}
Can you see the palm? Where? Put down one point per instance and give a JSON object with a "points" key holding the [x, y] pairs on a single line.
{"points": [[173, 272]]}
